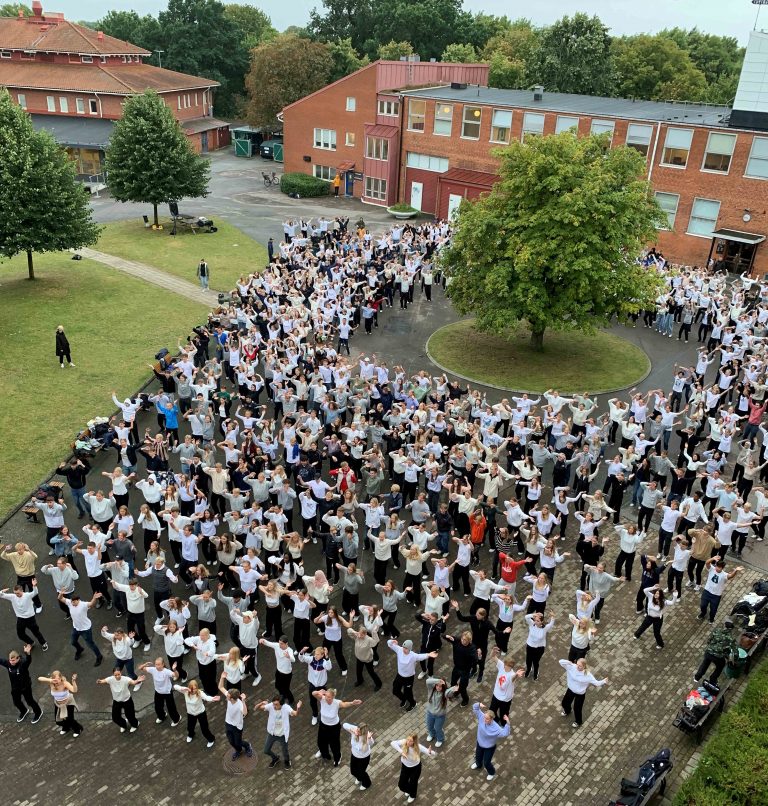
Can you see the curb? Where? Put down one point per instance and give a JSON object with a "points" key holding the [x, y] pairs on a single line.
{"points": [[530, 391]]}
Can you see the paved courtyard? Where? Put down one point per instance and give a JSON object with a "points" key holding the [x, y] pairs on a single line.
{"points": [[544, 763]]}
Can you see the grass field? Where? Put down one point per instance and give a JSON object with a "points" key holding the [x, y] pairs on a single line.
{"points": [[571, 362], [114, 324], [229, 252]]}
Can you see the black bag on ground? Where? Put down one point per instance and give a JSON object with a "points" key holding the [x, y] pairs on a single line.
{"points": [[44, 491], [160, 354], [761, 587]]}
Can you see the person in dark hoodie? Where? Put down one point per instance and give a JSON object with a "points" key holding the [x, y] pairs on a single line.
{"points": [[432, 629], [62, 347], [21, 683], [481, 628]]}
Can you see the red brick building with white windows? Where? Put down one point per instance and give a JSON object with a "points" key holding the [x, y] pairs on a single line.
{"points": [[74, 81], [708, 164]]}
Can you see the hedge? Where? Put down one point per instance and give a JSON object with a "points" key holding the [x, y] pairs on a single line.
{"points": [[303, 185], [733, 770]]}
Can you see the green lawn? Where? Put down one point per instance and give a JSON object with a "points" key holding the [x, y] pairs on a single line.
{"points": [[733, 769], [114, 323], [229, 252], [570, 362]]}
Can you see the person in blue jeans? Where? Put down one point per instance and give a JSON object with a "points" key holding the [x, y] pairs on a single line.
{"points": [[439, 696], [488, 734], [715, 586]]}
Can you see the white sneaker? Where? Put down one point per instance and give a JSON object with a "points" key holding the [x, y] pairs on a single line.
{"points": [[158, 721], [318, 754], [147, 647], [489, 777], [689, 584], [697, 587], [157, 620], [410, 799], [422, 675], [133, 729], [429, 737], [256, 680], [438, 744], [122, 730], [473, 766], [210, 744], [314, 720], [189, 739], [344, 673], [574, 724], [39, 610]]}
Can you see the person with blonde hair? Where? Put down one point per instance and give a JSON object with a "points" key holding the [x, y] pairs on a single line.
{"points": [[579, 680], [63, 693], [195, 700], [410, 751], [362, 742], [63, 350]]}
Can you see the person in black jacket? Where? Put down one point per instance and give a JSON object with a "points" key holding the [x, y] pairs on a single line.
{"points": [[62, 347], [21, 683], [465, 657], [590, 550], [481, 629], [432, 629], [75, 473], [616, 498], [650, 576]]}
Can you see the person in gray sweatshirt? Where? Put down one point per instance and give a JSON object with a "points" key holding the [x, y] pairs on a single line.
{"points": [[64, 577]]}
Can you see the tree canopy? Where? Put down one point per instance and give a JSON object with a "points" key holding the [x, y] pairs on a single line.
{"points": [[392, 51], [458, 53], [254, 24], [553, 244], [43, 208], [150, 159]]}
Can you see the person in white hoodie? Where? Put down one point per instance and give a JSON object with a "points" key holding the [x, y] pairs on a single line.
{"points": [[579, 680], [247, 623], [195, 700]]}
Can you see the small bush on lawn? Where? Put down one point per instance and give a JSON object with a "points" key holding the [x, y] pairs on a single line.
{"points": [[733, 770], [403, 208], [303, 185]]}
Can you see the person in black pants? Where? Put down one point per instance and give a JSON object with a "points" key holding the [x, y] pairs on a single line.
{"points": [[21, 683], [650, 576], [63, 350], [719, 648], [123, 710], [432, 629], [465, 658], [163, 678], [24, 608], [481, 629]]}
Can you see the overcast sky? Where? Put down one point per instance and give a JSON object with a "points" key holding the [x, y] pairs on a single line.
{"points": [[729, 17]]}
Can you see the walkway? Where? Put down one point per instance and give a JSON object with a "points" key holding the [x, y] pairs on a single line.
{"points": [[152, 275]]}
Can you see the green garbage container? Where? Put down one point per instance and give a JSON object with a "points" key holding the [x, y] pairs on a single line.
{"points": [[735, 665]]}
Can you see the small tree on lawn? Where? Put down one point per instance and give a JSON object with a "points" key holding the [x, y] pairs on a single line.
{"points": [[150, 159], [554, 243], [43, 208]]}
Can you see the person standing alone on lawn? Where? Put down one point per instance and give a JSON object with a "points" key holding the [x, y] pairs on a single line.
{"points": [[203, 274], [62, 347]]}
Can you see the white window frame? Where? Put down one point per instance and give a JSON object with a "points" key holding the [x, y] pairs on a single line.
{"points": [[93, 106], [349, 139], [103, 59], [572, 125], [80, 106], [495, 127], [50, 103], [351, 105], [476, 120], [635, 140], [63, 105], [325, 139], [671, 129], [22, 99], [324, 172], [426, 162], [377, 148], [388, 109], [443, 117], [732, 138], [528, 116], [5, 54], [760, 159], [700, 218], [608, 126], [416, 115], [86, 59], [380, 185], [671, 214]]}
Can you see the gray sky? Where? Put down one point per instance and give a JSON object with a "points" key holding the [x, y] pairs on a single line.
{"points": [[728, 17]]}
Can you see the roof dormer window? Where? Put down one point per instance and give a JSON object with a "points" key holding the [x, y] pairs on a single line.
{"points": [[86, 59]]}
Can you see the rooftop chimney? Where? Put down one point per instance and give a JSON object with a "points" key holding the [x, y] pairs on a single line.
{"points": [[100, 35], [538, 93], [37, 8]]}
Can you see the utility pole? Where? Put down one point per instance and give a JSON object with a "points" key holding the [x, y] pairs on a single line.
{"points": [[159, 57]]}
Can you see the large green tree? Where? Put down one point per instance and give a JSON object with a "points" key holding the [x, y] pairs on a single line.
{"points": [[510, 55], [574, 55], [254, 24], [345, 59], [392, 51], [150, 160], [43, 208], [657, 68], [130, 27], [553, 244], [284, 70], [457, 52], [12, 9]]}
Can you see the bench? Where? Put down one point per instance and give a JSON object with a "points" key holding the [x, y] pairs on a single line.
{"points": [[697, 728], [31, 511]]}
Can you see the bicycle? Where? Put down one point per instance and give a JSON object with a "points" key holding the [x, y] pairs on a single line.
{"points": [[270, 180]]}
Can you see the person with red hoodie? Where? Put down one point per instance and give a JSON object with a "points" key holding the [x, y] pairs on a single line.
{"points": [[755, 417], [509, 569]]}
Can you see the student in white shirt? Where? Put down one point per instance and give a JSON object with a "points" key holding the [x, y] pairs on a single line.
{"points": [[362, 742], [504, 687], [279, 716], [579, 680], [123, 711], [329, 729], [411, 752]]}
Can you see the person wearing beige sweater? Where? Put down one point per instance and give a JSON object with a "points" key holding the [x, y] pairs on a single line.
{"points": [[23, 559]]}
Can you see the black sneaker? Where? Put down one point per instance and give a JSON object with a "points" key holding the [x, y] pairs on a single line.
{"points": [[275, 761], [249, 751], [23, 716], [99, 661], [78, 654], [287, 765], [36, 719]]}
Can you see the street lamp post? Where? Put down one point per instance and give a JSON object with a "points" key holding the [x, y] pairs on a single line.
{"points": [[159, 57]]}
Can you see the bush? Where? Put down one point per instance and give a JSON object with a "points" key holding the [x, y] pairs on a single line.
{"points": [[402, 207], [304, 186], [733, 770]]}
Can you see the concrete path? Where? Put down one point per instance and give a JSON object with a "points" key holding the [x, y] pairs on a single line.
{"points": [[152, 275]]}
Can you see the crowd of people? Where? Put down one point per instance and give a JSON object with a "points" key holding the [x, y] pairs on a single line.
{"points": [[292, 501]]}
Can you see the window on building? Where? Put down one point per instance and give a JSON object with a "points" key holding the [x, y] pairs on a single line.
{"points": [[377, 148], [29, 55], [63, 105], [501, 125], [602, 127], [389, 108], [426, 162], [325, 138], [470, 122], [80, 106], [719, 151], [351, 104], [50, 102], [533, 123], [757, 165], [125, 59], [197, 99], [639, 137], [668, 203], [417, 113], [704, 215], [5, 54], [566, 123], [349, 139], [103, 59], [178, 101], [86, 59], [375, 188], [677, 146], [323, 172], [93, 106], [22, 99], [443, 119]]}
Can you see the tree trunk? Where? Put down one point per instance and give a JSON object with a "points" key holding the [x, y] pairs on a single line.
{"points": [[537, 338], [30, 265], [156, 221]]}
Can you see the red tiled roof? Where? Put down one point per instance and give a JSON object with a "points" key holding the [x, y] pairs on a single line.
{"points": [[59, 36], [113, 79], [469, 177], [381, 130]]}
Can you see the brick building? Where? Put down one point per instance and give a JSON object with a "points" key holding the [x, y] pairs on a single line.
{"points": [[74, 81], [708, 164]]}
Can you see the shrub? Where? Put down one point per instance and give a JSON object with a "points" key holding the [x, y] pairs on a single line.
{"points": [[303, 185], [402, 207]]}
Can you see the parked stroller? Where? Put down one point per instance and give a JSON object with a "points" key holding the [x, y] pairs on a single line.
{"points": [[651, 780]]}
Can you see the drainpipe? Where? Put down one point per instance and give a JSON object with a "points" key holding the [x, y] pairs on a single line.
{"points": [[399, 149], [653, 153]]}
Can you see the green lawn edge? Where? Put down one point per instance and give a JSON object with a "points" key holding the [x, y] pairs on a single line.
{"points": [[570, 362]]}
